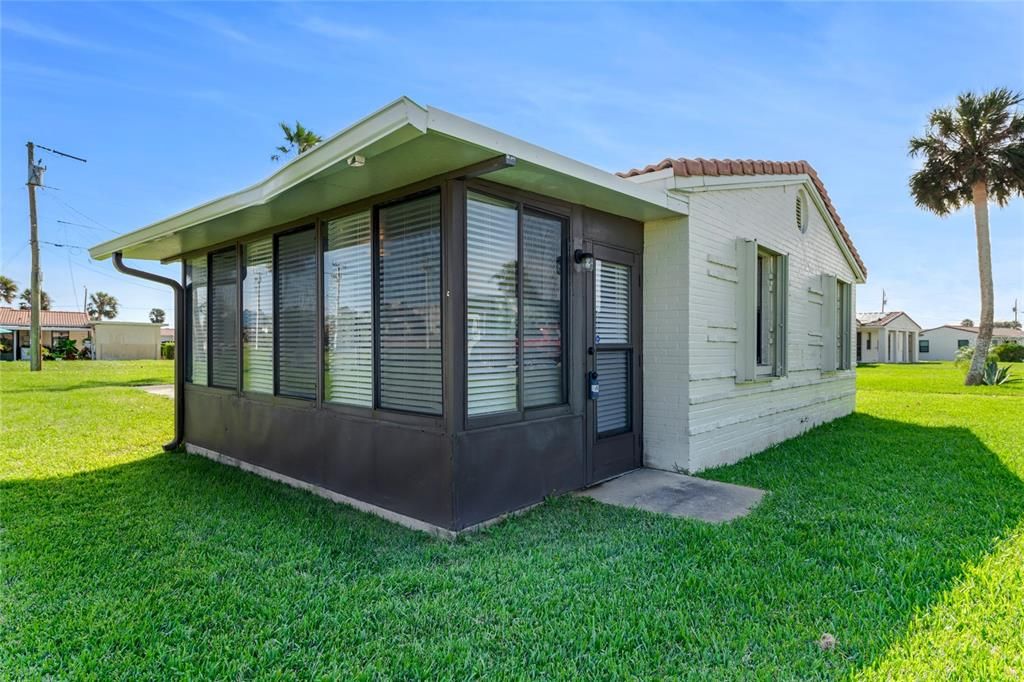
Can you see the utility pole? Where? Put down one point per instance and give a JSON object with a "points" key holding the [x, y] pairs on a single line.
{"points": [[85, 300], [884, 300], [35, 178]]}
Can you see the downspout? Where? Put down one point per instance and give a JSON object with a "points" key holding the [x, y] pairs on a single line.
{"points": [[179, 361]]}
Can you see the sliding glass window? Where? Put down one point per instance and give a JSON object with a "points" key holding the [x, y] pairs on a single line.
{"points": [[296, 317], [514, 307], [348, 311], [224, 319], [492, 305], [258, 317], [409, 305], [198, 333]]}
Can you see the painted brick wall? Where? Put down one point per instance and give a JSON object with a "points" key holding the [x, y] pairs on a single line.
{"points": [[666, 336], [727, 421]]}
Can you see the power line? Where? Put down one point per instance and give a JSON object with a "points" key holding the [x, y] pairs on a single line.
{"points": [[54, 151]]}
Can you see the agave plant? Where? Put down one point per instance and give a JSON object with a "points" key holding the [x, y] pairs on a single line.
{"points": [[994, 375]]}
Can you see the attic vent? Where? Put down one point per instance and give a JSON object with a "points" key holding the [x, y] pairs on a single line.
{"points": [[801, 211]]}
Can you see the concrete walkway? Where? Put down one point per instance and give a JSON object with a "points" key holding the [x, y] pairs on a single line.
{"points": [[164, 390], [677, 495]]}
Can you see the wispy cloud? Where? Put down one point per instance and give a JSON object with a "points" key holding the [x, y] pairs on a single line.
{"points": [[209, 22], [52, 35], [337, 30]]}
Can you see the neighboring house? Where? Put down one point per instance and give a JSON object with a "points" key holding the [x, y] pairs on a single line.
{"points": [[108, 340], [887, 337], [436, 322], [53, 324], [166, 335], [942, 343], [118, 340]]}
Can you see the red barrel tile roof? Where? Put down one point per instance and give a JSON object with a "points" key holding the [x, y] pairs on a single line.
{"points": [[686, 168], [62, 319]]}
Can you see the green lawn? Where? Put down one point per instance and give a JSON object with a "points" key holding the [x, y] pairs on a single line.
{"points": [[900, 530]]}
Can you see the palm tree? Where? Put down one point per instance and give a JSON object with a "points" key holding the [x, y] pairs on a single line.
{"points": [[157, 316], [972, 152], [102, 305], [8, 289], [300, 140], [26, 300]]}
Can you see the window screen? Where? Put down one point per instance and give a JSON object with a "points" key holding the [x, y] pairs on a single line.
{"points": [[296, 314], [258, 317], [492, 305], [224, 319], [348, 312], [542, 311], [196, 288], [410, 305]]}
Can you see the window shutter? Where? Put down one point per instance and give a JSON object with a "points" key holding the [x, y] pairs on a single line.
{"points": [[828, 323], [410, 305], [296, 314], [781, 313], [196, 282], [224, 319], [746, 309], [258, 317], [348, 312]]}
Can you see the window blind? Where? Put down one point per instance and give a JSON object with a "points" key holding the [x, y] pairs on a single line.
{"points": [[543, 373], [224, 319], [296, 314], [348, 312], [612, 302], [196, 285], [492, 303], [258, 317], [613, 406], [410, 305]]}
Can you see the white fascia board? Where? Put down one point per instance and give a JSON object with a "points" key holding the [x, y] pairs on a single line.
{"points": [[705, 183], [474, 133], [368, 132]]}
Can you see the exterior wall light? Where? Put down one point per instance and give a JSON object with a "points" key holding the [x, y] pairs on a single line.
{"points": [[356, 161], [584, 258]]}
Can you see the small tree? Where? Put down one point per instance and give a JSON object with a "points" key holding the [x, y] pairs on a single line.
{"points": [[102, 306], [1007, 324], [973, 152], [8, 289], [967, 322], [26, 299], [300, 140], [157, 316]]}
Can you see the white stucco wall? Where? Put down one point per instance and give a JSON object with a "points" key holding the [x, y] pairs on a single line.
{"points": [[942, 342], [728, 421]]}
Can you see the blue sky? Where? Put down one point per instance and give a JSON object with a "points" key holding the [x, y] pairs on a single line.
{"points": [[174, 104]]}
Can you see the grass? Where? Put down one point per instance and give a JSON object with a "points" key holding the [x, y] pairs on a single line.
{"points": [[900, 530]]}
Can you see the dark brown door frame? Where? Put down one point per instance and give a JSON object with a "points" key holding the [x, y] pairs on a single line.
{"points": [[613, 455]]}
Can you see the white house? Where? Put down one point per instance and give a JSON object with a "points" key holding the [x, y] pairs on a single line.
{"points": [[942, 343], [887, 337], [439, 323]]}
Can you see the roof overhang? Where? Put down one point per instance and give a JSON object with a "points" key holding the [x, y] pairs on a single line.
{"points": [[400, 144]]}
